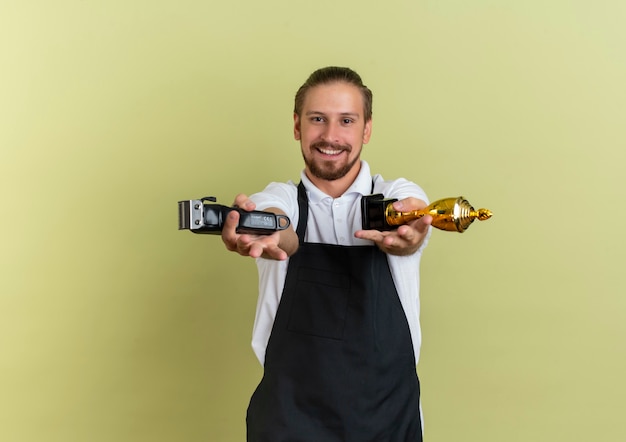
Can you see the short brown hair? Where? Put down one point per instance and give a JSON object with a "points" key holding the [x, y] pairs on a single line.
{"points": [[333, 74]]}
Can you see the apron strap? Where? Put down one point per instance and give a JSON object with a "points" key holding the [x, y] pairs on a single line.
{"points": [[303, 207]]}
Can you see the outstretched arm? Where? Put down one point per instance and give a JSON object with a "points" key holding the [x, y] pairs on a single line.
{"points": [[406, 239], [279, 245]]}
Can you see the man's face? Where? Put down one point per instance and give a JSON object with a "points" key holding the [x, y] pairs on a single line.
{"points": [[332, 130]]}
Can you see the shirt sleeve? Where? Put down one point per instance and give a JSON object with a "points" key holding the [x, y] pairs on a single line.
{"points": [[283, 196], [400, 189]]}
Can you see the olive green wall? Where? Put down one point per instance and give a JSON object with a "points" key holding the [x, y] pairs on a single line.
{"points": [[114, 326]]}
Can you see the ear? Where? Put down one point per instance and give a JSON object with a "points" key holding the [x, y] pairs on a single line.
{"points": [[296, 126], [367, 131]]}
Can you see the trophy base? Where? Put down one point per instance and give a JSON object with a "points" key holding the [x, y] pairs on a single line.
{"points": [[373, 212]]}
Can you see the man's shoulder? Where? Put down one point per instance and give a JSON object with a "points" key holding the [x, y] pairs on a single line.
{"points": [[398, 188], [277, 194], [288, 190]]}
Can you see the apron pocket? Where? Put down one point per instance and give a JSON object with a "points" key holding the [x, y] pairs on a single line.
{"points": [[320, 303]]}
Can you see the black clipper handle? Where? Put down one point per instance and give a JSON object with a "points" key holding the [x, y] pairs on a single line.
{"points": [[199, 217]]}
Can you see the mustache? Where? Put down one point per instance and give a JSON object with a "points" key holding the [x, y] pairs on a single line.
{"points": [[327, 145]]}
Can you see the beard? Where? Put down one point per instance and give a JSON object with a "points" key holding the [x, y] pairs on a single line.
{"points": [[329, 170]]}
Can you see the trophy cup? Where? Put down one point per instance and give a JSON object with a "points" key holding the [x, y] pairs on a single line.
{"points": [[449, 214]]}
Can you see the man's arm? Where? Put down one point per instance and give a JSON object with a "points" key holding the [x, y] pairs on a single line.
{"points": [[406, 239], [279, 245]]}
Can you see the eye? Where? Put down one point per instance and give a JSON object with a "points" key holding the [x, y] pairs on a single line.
{"points": [[317, 119], [347, 121]]}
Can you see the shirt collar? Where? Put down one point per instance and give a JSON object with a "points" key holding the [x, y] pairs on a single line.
{"points": [[362, 185]]}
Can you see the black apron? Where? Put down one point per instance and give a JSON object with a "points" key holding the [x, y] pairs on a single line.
{"points": [[339, 364]]}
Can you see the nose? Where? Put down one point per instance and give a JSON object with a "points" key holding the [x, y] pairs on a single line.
{"points": [[330, 134]]}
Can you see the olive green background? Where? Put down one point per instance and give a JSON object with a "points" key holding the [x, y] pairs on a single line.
{"points": [[114, 326]]}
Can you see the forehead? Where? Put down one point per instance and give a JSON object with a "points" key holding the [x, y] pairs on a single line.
{"points": [[340, 97]]}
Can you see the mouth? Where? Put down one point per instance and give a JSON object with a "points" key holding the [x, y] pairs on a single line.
{"points": [[331, 150]]}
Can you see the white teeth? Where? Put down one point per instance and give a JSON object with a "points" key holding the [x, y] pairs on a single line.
{"points": [[330, 152]]}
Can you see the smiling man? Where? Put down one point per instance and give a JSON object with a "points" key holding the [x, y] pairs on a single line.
{"points": [[337, 322], [332, 127]]}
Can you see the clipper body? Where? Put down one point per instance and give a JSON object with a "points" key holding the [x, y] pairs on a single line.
{"points": [[200, 217]]}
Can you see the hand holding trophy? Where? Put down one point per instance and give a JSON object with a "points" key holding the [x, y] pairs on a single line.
{"points": [[449, 214]]}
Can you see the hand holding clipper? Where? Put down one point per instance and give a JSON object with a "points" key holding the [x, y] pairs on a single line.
{"points": [[200, 217]]}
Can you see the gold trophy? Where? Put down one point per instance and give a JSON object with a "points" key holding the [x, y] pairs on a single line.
{"points": [[450, 214]]}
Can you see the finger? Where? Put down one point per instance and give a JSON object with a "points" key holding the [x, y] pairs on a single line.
{"points": [[371, 235], [423, 224], [256, 250], [406, 233], [273, 249], [244, 202], [229, 230], [409, 204], [389, 241], [276, 252], [261, 248], [231, 223]]}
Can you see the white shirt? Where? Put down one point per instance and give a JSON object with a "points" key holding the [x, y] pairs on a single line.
{"points": [[334, 221]]}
